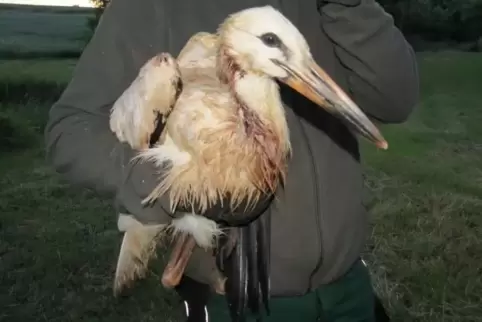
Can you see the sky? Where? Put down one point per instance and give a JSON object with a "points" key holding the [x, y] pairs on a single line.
{"points": [[81, 3]]}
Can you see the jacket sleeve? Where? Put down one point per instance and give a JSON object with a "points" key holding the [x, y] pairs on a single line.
{"points": [[380, 65], [79, 142]]}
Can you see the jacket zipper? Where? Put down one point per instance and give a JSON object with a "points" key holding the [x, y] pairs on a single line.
{"points": [[317, 204]]}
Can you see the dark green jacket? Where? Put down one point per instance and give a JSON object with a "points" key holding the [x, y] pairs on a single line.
{"points": [[319, 224]]}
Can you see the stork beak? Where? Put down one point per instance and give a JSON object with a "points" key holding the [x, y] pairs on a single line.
{"points": [[314, 83]]}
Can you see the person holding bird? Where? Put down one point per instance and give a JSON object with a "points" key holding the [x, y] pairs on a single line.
{"points": [[318, 222]]}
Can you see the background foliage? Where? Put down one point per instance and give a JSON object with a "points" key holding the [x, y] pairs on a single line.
{"points": [[430, 20], [100, 6], [456, 20]]}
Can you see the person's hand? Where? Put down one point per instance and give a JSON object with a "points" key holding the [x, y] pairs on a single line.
{"points": [[222, 212], [138, 182]]}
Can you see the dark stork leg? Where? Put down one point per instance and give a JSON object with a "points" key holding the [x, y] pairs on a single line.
{"points": [[243, 257], [195, 297]]}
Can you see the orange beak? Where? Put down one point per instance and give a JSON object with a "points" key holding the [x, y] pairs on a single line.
{"points": [[313, 82]]}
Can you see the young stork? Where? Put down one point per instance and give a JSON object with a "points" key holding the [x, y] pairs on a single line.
{"points": [[225, 134]]}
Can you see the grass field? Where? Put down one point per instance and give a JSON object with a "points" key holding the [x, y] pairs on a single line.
{"points": [[58, 245], [32, 31], [426, 198]]}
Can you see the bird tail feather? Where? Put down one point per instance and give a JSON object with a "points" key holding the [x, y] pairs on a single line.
{"points": [[137, 249]]}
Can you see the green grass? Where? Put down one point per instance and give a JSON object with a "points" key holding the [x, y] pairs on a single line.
{"points": [[34, 70], [425, 248], [58, 249], [29, 31], [40, 80], [58, 245]]}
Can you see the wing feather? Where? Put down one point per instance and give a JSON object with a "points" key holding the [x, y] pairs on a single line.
{"points": [[153, 92]]}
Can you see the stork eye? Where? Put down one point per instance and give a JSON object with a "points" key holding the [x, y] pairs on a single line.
{"points": [[270, 40]]}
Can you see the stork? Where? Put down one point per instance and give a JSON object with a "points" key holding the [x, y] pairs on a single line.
{"points": [[224, 134]]}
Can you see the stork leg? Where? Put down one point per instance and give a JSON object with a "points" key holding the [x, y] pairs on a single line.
{"points": [[183, 247], [244, 260], [189, 230]]}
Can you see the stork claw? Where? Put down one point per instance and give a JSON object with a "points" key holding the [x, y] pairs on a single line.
{"points": [[243, 257]]}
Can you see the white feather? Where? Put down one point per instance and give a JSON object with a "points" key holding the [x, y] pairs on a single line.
{"points": [[203, 230], [127, 115], [168, 151], [138, 246]]}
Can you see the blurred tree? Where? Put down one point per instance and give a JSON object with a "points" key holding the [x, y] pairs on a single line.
{"points": [[431, 20], [99, 6], [439, 20], [100, 3]]}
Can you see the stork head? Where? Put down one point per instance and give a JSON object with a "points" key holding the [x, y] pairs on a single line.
{"points": [[263, 41]]}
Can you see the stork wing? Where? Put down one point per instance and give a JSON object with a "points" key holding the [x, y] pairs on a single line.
{"points": [[199, 47], [150, 97]]}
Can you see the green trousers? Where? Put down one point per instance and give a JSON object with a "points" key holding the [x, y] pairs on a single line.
{"points": [[349, 299]]}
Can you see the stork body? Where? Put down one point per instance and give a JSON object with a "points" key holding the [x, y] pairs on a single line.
{"points": [[225, 132]]}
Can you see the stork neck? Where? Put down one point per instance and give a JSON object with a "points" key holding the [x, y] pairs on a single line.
{"points": [[259, 93], [261, 115]]}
